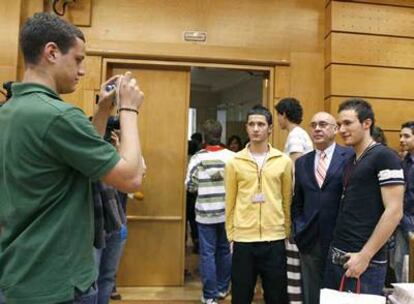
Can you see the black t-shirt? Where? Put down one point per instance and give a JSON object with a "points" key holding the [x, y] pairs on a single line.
{"points": [[362, 206]]}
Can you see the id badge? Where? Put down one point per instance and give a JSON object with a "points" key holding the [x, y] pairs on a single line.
{"points": [[258, 198]]}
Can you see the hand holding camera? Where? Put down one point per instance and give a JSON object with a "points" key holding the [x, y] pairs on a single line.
{"points": [[121, 91], [108, 93], [130, 95]]}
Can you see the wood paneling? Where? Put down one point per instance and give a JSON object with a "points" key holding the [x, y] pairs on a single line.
{"points": [[29, 7], [328, 18], [408, 3], [162, 120], [78, 13], [372, 19], [150, 256], [369, 50], [260, 24], [346, 80], [9, 34], [373, 59], [282, 89], [193, 52], [154, 254]]}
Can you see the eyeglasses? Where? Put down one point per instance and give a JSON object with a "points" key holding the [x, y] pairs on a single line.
{"points": [[321, 124]]}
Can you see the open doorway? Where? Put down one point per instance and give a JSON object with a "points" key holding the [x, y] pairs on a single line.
{"points": [[225, 95]]}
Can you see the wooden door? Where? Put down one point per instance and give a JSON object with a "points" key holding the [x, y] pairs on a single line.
{"points": [[154, 253]]}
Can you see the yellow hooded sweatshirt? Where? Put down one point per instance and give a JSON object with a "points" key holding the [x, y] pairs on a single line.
{"points": [[258, 222]]}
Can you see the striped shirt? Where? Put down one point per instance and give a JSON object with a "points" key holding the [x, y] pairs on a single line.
{"points": [[205, 175]]}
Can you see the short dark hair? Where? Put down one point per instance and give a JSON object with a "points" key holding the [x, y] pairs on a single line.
{"points": [[212, 132], [42, 28], [361, 107], [292, 108], [379, 136], [261, 110], [197, 137], [236, 138], [409, 125]]}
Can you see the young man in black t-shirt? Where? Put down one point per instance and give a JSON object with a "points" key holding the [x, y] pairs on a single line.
{"points": [[371, 204]]}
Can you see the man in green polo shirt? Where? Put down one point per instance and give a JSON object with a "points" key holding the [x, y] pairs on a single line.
{"points": [[49, 153]]}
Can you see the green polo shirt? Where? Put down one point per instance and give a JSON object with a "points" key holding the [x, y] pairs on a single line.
{"points": [[49, 153]]}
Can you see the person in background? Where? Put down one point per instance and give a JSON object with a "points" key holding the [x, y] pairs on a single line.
{"points": [[234, 143], [406, 225], [205, 175], [379, 136], [290, 115]]}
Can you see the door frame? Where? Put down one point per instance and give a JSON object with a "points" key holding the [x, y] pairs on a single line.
{"points": [[278, 85]]}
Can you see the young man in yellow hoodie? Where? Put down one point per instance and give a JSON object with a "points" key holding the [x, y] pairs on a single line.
{"points": [[258, 183]]}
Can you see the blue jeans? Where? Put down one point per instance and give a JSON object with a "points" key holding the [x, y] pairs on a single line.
{"points": [[215, 259], [2, 300], [401, 249], [107, 260], [89, 296], [372, 280]]}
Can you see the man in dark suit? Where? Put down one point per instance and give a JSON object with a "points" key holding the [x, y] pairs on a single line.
{"points": [[318, 189]]}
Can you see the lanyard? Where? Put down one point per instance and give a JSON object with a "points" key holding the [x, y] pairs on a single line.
{"points": [[259, 170], [352, 165]]}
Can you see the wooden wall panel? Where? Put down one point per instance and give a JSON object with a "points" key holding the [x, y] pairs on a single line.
{"points": [[347, 80], [260, 24], [369, 50], [9, 32], [372, 19], [148, 258], [29, 7], [78, 13], [164, 108], [282, 89], [157, 256], [408, 3]]}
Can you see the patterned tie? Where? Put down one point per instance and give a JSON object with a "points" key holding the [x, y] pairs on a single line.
{"points": [[321, 169]]}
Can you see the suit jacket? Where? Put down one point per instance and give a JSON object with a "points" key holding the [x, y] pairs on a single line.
{"points": [[314, 209]]}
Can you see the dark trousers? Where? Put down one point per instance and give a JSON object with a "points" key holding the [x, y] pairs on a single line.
{"points": [[313, 270], [190, 211], [267, 259], [372, 280]]}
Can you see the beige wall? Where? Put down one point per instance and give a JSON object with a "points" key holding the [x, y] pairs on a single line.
{"points": [[370, 54]]}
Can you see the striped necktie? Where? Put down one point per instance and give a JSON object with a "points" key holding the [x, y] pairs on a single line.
{"points": [[321, 169]]}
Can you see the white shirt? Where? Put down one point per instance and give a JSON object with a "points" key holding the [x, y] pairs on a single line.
{"points": [[329, 153], [298, 141]]}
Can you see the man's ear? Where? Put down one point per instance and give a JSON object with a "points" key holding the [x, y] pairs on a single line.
{"points": [[51, 51], [270, 129], [367, 123]]}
